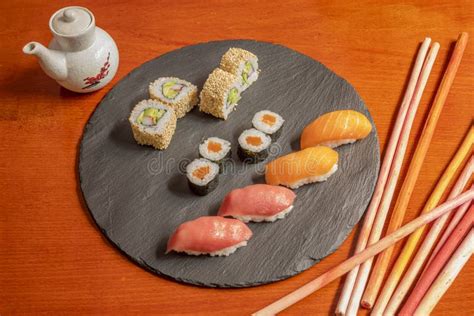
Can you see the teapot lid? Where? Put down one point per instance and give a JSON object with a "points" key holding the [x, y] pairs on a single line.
{"points": [[71, 21]]}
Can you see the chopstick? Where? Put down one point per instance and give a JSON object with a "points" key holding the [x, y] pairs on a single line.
{"points": [[452, 222], [438, 263], [398, 213], [451, 226], [364, 255], [447, 275], [383, 175], [430, 239], [384, 207]]}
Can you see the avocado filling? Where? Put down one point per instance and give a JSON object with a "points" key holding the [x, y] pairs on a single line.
{"points": [[171, 89], [247, 72], [233, 97], [150, 116]]}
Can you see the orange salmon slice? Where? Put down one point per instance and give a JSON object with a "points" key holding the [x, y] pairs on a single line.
{"points": [[214, 147], [201, 172], [253, 140], [335, 126], [269, 119]]}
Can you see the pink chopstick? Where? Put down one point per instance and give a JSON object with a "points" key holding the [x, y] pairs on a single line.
{"points": [[364, 255], [382, 212], [438, 263], [383, 175]]}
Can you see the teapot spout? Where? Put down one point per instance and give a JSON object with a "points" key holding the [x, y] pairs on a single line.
{"points": [[53, 62]]}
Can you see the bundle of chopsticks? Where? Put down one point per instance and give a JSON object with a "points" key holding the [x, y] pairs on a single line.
{"points": [[427, 266]]}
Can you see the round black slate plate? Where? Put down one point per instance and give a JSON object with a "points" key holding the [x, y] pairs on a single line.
{"points": [[138, 195]]}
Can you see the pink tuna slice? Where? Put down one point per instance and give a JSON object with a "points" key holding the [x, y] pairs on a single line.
{"points": [[258, 200], [208, 234]]}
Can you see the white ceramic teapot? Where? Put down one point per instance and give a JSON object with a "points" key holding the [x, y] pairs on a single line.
{"points": [[81, 57]]}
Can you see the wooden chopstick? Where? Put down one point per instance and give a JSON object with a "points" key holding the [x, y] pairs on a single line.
{"points": [[398, 213], [447, 275], [438, 262], [424, 250], [451, 226], [383, 175], [364, 255], [382, 212], [410, 246]]}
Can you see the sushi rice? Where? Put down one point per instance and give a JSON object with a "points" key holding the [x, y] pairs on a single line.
{"points": [[253, 145], [308, 180], [268, 122], [220, 253], [179, 94], [258, 219], [202, 176], [336, 143]]}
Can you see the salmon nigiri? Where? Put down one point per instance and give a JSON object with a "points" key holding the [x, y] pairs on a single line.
{"points": [[257, 203], [314, 164], [336, 128], [212, 235]]}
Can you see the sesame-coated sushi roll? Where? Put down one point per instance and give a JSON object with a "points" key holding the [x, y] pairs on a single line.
{"points": [[220, 94], [253, 146], [241, 63], [215, 149], [268, 122], [202, 176], [153, 123], [179, 94]]}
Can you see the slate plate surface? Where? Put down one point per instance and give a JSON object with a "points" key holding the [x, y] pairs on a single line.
{"points": [[138, 195]]}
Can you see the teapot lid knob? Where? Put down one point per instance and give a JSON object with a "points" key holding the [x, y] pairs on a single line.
{"points": [[69, 15], [71, 21]]}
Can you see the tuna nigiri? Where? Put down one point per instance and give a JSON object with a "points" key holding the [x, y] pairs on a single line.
{"points": [[257, 203], [211, 235], [336, 128], [314, 164]]}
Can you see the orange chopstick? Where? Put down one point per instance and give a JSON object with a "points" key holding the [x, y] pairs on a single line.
{"points": [[398, 214]]}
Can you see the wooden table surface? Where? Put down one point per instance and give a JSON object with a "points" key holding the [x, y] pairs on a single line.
{"points": [[52, 257]]}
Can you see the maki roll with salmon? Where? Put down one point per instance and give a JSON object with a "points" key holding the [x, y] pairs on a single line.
{"points": [[202, 176], [215, 149], [179, 94], [242, 64], [268, 122], [220, 94], [153, 123], [253, 145]]}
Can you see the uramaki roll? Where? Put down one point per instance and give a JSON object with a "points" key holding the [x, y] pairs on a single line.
{"points": [[220, 94], [179, 94], [153, 123], [242, 64]]}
